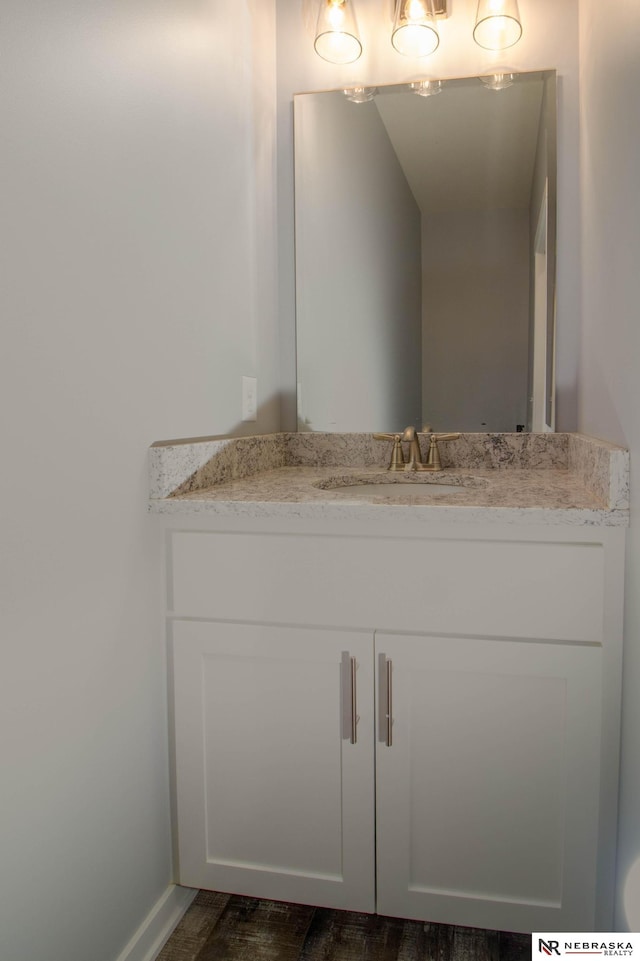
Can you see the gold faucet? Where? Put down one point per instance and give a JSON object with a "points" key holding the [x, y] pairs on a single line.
{"points": [[411, 436]]}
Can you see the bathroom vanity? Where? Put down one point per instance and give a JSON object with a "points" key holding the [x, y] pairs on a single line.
{"points": [[403, 705]]}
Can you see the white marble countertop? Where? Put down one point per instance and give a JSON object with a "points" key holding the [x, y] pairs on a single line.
{"points": [[575, 480]]}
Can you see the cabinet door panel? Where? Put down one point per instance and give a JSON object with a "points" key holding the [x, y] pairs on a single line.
{"points": [[487, 798], [273, 798]]}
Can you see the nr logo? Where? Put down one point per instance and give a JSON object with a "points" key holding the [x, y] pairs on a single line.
{"points": [[548, 947]]}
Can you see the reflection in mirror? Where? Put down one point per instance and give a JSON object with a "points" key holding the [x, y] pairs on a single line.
{"points": [[425, 257]]}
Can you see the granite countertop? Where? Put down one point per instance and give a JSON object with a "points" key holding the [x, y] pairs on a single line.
{"points": [[513, 478]]}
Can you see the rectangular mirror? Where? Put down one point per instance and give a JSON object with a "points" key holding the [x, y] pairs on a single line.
{"points": [[425, 256]]}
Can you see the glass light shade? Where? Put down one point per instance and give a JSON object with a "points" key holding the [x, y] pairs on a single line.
{"points": [[337, 39], [498, 24], [498, 81], [360, 94], [414, 28], [427, 88]]}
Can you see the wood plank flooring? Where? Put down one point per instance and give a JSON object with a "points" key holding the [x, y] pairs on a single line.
{"points": [[225, 927]]}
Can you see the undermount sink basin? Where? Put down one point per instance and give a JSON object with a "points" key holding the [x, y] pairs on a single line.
{"points": [[400, 486], [400, 489]]}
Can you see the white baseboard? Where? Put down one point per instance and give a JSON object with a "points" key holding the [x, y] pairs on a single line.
{"points": [[155, 930]]}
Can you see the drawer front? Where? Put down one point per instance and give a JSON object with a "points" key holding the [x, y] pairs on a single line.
{"points": [[517, 588]]}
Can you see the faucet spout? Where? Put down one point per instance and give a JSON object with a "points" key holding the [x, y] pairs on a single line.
{"points": [[415, 457]]}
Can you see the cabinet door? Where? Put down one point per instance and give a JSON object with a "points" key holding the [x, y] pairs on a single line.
{"points": [[487, 797], [273, 798]]}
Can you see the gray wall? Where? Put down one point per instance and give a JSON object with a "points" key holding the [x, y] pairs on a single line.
{"points": [[358, 271], [610, 359], [138, 229], [476, 311]]}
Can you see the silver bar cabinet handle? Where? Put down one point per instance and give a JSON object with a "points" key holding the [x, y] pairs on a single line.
{"points": [[389, 704], [350, 698], [354, 702], [385, 675]]}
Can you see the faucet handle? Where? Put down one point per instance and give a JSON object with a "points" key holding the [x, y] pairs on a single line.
{"points": [[433, 459], [397, 456]]}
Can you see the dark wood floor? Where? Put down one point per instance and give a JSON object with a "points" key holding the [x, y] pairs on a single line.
{"points": [[223, 927]]}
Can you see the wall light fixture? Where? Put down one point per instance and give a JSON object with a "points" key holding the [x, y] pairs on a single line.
{"points": [[415, 33], [498, 24], [337, 37]]}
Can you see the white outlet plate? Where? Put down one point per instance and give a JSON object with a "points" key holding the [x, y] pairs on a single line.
{"points": [[249, 398]]}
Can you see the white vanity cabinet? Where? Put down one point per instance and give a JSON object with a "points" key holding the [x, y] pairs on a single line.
{"points": [[490, 798], [487, 798], [273, 798]]}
